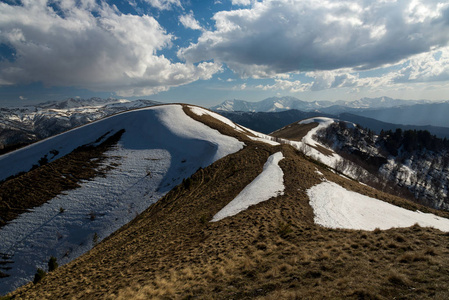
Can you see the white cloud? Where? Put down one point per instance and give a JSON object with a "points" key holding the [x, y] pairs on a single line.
{"points": [[164, 4], [280, 36], [241, 2], [189, 21], [240, 87], [91, 46], [293, 86], [426, 67]]}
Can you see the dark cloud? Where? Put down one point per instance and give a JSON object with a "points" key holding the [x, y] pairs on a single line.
{"points": [[274, 37]]}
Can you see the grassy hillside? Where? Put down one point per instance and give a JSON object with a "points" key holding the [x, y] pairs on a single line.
{"points": [[271, 251]]}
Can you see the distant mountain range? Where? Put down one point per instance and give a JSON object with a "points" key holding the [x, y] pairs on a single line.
{"points": [[276, 104], [267, 122], [405, 114], [435, 114]]}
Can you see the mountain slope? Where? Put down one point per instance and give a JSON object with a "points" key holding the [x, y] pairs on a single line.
{"points": [[378, 126], [22, 125], [271, 250], [413, 160], [158, 148]]}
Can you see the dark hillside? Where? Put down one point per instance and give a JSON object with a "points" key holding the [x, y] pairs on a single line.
{"points": [[411, 159], [377, 126], [267, 122]]}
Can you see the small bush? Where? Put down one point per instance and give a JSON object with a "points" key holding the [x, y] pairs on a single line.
{"points": [[398, 279], [43, 160], [284, 230], [95, 239], [52, 264], [54, 152], [40, 274], [203, 219], [377, 230], [61, 210], [187, 183]]}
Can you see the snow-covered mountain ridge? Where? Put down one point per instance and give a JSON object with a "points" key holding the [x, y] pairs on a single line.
{"points": [[23, 125]]}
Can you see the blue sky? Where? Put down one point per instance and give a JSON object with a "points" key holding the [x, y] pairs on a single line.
{"points": [[205, 52]]}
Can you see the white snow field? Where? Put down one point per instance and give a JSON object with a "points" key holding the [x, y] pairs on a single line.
{"points": [[336, 207], [268, 184], [161, 146]]}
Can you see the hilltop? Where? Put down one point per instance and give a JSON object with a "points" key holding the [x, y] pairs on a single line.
{"points": [[296, 241]]}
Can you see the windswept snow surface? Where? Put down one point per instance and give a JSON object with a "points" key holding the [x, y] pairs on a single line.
{"points": [[268, 184], [161, 146], [336, 207]]}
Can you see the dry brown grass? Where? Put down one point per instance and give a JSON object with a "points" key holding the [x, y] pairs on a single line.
{"points": [[169, 252], [294, 131]]}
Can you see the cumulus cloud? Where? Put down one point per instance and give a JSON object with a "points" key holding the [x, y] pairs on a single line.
{"points": [[293, 86], [280, 36], [426, 67], [324, 80], [91, 46], [189, 21], [429, 67], [164, 4]]}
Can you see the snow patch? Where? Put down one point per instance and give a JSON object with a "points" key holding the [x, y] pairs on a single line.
{"points": [[268, 184], [336, 207]]}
